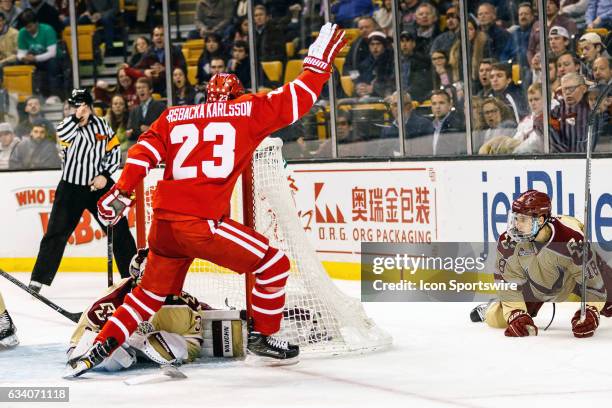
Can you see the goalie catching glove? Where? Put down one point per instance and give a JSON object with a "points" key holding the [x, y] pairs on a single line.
{"points": [[587, 327], [322, 52], [520, 324], [113, 205]]}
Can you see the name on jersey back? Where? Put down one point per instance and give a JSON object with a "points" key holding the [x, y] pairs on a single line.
{"points": [[209, 111]]}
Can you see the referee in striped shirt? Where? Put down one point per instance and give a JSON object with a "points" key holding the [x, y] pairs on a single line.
{"points": [[91, 156]]}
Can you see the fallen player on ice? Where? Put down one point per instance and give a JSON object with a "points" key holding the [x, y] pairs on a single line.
{"points": [[543, 255], [180, 332]]}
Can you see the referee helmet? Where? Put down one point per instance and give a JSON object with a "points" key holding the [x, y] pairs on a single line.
{"points": [[80, 96]]}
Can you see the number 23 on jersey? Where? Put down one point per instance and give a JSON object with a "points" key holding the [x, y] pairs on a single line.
{"points": [[188, 136]]}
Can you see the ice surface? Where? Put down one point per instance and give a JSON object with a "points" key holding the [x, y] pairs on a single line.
{"points": [[439, 358]]}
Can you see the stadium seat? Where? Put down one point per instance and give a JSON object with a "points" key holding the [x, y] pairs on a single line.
{"points": [[273, 70], [192, 71], [18, 79], [156, 97], [347, 85], [98, 111], [292, 70], [516, 73], [85, 35], [339, 63], [192, 49], [290, 49]]}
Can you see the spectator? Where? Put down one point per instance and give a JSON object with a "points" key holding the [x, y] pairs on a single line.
{"points": [[8, 141], [599, 14], [102, 13], [446, 40], [37, 45], [153, 66], [384, 17], [359, 49], [141, 49], [212, 17], [569, 118], [479, 47], [414, 124], [449, 127], [521, 34], [292, 23], [146, 113], [498, 121], [529, 133], [239, 32], [344, 135], [502, 47], [376, 76], [535, 71], [117, 119], [567, 63], [212, 48], [506, 91], [484, 76], [32, 108], [414, 68], [183, 92], [11, 11], [601, 120], [441, 71], [126, 88], [36, 151], [426, 27], [576, 10], [553, 19], [408, 9], [8, 43], [269, 38], [239, 63], [559, 41], [601, 70], [346, 11], [47, 14], [591, 48]]}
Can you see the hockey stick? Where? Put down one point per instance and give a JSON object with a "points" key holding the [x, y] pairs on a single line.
{"points": [[72, 316], [109, 255], [587, 200]]}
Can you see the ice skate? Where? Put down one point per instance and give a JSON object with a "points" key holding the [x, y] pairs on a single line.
{"points": [[93, 357], [8, 338], [272, 350]]}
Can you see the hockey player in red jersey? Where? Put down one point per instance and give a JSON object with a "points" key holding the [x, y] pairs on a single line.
{"points": [[543, 255], [206, 148]]}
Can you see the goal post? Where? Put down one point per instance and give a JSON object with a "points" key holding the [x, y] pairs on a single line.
{"points": [[317, 316]]}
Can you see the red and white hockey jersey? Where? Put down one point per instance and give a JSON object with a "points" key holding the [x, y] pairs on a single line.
{"points": [[206, 147]]}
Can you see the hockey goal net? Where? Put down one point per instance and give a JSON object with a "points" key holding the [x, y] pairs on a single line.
{"points": [[318, 316]]}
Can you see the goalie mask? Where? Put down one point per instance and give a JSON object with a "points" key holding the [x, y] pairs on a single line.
{"points": [[223, 87], [524, 218]]}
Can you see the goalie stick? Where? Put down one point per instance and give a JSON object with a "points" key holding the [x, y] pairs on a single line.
{"points": [[72, 316]]}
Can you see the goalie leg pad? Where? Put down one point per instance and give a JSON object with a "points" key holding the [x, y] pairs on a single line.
{"points": [[268, 294], [121, 358], [225, 334], [139, 305]]}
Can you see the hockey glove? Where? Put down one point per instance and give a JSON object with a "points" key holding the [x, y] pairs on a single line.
{"points": [[113, 205], [588, 326], [520, 324], [137, 262], [322, 52]]}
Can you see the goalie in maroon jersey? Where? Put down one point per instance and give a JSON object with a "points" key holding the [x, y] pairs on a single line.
{"points": [[543, 255], [206, 148]]}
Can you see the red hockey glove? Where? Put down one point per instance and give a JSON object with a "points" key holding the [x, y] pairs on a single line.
{"points": [[588, 326], [322, 52], [113, 205], [520, 324]]}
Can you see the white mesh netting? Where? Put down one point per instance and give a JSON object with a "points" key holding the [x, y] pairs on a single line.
{"points": [[318, 316]]}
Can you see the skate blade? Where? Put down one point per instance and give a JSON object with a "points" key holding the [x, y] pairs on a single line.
{"points": [[71, 373], [261, 361]]}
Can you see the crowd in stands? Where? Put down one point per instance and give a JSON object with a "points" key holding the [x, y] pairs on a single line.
{"points": [[505, 69]]}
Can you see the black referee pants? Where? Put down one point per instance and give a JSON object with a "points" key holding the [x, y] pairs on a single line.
{"points": [[70, 202]]}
